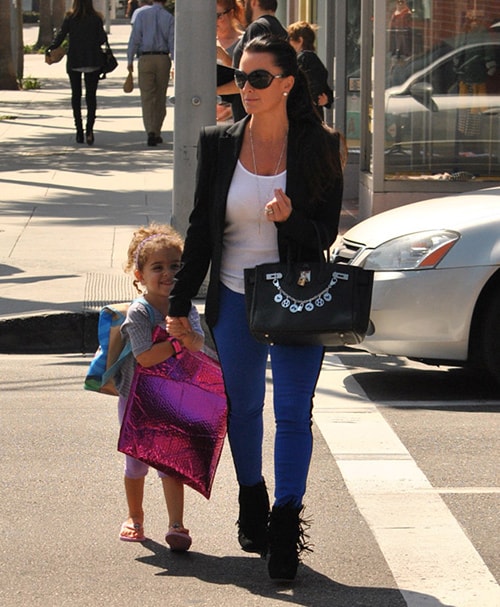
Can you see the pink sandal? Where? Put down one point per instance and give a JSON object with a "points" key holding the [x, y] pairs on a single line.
{"points": [[178, 538], [137, 528]]}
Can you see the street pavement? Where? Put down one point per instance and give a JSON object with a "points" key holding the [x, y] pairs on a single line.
{"points": [[68, 212]]}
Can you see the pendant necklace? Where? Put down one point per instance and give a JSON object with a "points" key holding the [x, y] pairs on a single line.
{"points": [[259, 193]]}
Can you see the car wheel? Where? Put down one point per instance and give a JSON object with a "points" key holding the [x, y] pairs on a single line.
{"points": [[490, 335]]}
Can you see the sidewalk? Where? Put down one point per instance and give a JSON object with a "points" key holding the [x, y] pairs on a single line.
{"points": [[69, 210]]}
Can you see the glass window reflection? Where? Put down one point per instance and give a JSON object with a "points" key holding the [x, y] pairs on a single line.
{"points": [[442, 100]]}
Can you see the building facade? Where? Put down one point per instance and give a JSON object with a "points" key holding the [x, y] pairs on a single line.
{"points": [[417, 93]]}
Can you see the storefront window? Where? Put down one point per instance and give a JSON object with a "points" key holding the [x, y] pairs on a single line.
{"points": [[353, 51], [442, 97]]}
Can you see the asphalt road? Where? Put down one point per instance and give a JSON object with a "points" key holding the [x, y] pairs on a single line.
{"points": [[62, 498]]}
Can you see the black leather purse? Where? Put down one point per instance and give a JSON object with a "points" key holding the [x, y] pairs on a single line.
{"points": [[109, 62], [308, 303]]}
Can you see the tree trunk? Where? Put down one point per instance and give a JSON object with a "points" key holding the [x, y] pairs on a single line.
{"points": [[58, 12], [8, 80], [46, 31], [20, 41]]}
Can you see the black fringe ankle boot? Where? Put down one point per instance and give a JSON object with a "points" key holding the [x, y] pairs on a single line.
{"points": [[287, 540], [254, 518]]}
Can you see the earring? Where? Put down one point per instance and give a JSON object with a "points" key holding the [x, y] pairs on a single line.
{"points": [[285, 94]]}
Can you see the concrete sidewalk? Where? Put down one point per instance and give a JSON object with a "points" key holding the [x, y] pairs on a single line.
{"points": [[69, 210]]}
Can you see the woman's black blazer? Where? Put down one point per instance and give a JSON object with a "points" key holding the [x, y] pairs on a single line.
{"points": [[86, 36], [218, 151]]}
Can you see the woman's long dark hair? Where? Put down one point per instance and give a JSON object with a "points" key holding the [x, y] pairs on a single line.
{"points": [[313, 146], [82, 9]]}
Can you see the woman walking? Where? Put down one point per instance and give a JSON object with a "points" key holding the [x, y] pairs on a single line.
{"points": [[85, 28], [265, 186]]}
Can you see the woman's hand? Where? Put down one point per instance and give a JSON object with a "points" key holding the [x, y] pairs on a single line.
{"points": [[178, 326], [181, 329], [223, 56], [322, 99], [279, 208]]}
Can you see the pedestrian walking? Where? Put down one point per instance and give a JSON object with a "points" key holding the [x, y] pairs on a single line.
{"points": [[154, 258], [302, 37], [264, 186], [152, 40], [84, 27]]}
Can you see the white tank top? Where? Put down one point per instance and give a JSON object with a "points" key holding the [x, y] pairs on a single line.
{"points": [[249, 239]]}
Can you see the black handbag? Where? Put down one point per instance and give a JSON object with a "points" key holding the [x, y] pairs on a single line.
{"points": [[109, 61], [308, 303]]}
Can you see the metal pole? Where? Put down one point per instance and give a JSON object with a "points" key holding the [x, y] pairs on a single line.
{"points": [[195, 96]]}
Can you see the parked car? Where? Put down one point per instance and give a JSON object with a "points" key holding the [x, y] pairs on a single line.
{"points": [[436, 295]]}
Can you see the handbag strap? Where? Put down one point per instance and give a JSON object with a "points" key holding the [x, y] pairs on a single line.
{"points": [[321, 252]]}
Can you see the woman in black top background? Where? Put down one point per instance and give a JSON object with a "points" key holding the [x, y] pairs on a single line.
{"points": [[302, 37], [85, 28]]}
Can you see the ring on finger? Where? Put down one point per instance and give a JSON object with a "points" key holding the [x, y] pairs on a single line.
{"points": [[269, 211]]}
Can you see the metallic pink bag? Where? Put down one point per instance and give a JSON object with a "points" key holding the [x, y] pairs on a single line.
{"points": [[176, 416]]}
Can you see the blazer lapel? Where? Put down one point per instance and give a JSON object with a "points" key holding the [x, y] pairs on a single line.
{"points": [[229, 143]]}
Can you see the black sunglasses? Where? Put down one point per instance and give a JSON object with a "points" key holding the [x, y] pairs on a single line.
{"points": [[259, 79], [219, 15]]}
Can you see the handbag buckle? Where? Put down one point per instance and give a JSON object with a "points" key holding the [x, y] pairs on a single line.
{"points": [[274, 276], [304, 277]]}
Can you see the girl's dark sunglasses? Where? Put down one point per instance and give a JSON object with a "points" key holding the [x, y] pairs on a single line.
{"points": [[259, 79]]}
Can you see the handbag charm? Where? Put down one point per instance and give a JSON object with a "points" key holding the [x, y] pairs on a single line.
{"points": [[295, 305], [304, 278]]}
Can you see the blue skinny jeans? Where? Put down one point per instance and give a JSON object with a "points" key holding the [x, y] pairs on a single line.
{"points": [[295, 372]]}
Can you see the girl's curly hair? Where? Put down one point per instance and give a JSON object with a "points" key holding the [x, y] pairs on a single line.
{"points": [[148, 239]]}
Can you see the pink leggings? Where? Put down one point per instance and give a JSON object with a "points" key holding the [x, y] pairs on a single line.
{"points": [[133, 467]]}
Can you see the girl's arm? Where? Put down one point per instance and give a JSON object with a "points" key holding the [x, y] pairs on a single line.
{"points": [[156, 354]]}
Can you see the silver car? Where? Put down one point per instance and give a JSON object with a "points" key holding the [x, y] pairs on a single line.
{"points": [[436, 295]]}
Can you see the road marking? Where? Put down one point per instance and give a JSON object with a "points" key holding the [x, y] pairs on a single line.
{"points": [[465, 490], [425, 404], [427, 551]]}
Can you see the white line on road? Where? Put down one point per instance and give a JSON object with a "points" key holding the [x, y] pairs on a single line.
{"points": [[431, 558]]}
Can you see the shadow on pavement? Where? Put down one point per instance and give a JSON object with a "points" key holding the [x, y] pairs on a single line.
{"points": [[311, 589], [390, 379]]}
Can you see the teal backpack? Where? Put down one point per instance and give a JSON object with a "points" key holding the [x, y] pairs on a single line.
{"points": [[111, 352]]}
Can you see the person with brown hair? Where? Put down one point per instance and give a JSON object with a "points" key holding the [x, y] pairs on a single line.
{"points": [[85, 28], [302, 36], [230, 19], [265, 186], [154, 258]]}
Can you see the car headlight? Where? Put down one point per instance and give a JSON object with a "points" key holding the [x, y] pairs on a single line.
{"points": [[419, 251]]}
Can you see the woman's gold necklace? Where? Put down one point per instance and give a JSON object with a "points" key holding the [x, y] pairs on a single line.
{"points": [[259, 193]]}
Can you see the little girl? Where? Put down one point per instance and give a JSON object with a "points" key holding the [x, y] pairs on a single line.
{"points": [[154, 257]]}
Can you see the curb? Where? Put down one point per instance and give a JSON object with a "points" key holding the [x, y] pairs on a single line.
{"points": [[57, 333]]}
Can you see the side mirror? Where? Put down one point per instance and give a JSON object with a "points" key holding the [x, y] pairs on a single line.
{"points": [[422, 92]]}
